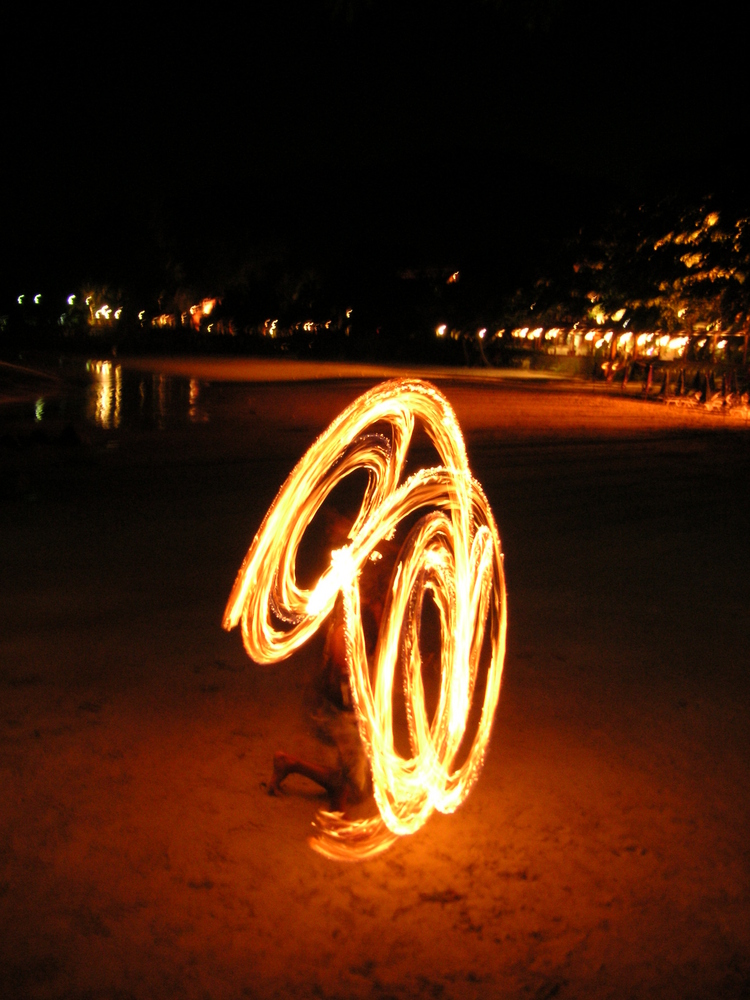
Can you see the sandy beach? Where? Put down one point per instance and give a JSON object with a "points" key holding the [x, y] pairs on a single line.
{"points": [[604, 850]]}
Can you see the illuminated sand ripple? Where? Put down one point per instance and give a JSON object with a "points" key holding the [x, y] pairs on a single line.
{"points": [[453, 551]]}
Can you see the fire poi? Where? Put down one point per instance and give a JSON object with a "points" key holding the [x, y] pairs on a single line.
{"points": [[453, 551]]}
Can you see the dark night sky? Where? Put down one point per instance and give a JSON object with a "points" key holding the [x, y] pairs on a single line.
{"points": [[183, 146]]}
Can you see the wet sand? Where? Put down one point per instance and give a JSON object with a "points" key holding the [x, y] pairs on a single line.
{"points": [[604, 850]]}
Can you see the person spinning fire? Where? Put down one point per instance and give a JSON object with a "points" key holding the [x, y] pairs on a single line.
{"points": [[349, 782]]}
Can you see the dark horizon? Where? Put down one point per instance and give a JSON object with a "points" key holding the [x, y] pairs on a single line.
{"points": [[350, 136]]}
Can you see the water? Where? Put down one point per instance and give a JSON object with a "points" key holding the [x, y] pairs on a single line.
{"points": [[115, 397], [105, 395]]}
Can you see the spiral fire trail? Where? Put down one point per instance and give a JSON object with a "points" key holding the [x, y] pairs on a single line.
{"points": [[453, 551]]}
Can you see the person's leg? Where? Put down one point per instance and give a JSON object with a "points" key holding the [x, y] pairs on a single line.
{"points": [[329, 778]]}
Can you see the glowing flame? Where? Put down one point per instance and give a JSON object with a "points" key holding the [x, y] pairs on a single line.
{"points": [[165, 319], [453, 552], [196, 312]]}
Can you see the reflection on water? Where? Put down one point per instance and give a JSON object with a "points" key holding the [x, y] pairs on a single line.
{"points": [[105, 398], [160, 397], [196, 413], [114, 398], [157, 400]]}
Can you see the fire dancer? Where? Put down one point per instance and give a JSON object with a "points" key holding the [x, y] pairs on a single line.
{"points": [[449, 555], [348, 783]]}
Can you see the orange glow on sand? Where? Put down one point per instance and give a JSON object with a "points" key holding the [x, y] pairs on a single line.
{"points": [[453, 552]]}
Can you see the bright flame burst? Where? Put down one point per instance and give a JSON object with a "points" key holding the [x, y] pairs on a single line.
{"points": [[453, 551]]}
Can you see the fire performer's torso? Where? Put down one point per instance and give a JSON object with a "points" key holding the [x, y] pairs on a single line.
{"points": [[335, 717]]}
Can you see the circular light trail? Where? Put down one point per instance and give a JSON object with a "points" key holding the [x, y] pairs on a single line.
{"points": [[453, 551]]}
